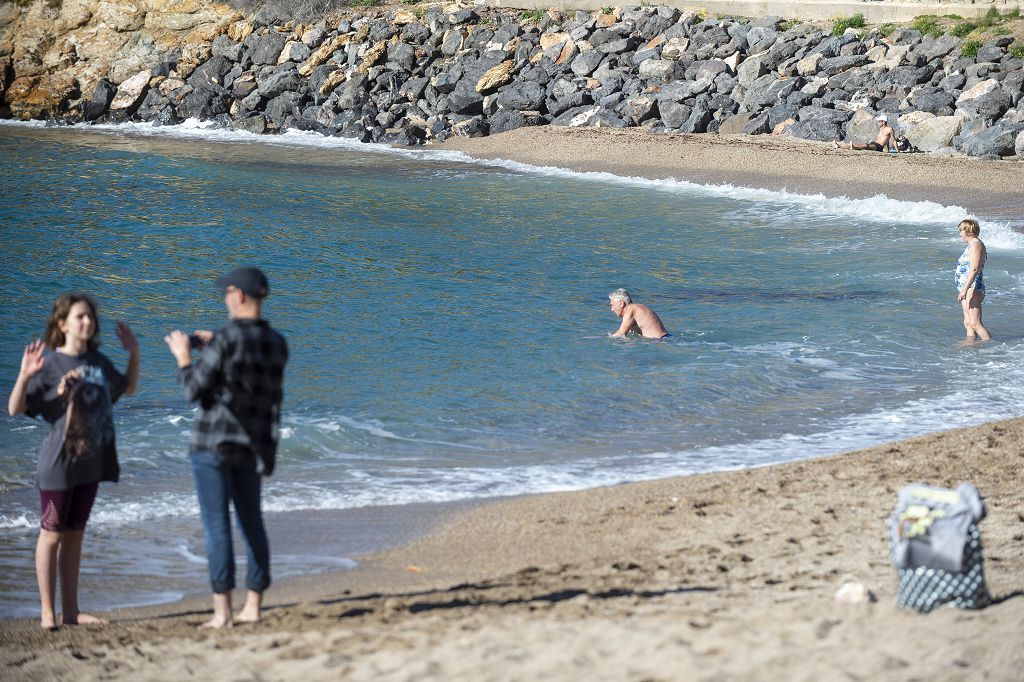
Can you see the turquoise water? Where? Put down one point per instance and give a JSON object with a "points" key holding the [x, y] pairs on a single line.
{"points": [[449, 328]]}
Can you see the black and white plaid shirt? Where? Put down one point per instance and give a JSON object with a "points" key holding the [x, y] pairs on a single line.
{"points": [[238, 382]]}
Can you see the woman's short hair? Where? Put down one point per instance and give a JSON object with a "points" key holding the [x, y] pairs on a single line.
{"points": [[621, 295], [61, 308], [970, 227]]}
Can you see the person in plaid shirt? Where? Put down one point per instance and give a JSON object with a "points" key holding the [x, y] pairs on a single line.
{"points": [[238, 382]]}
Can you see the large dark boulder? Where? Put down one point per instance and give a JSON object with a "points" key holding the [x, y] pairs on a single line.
{"points": [[769, 91], [464, 99], [991, 143], [352, 91], [413, 88], [402, 55], [204, 103], [697, 121], [415, 33], [211, 72], [831, 66], [521, 96], [284, 105], [817, 123], [505, 119], [935, 101], [227, 48], [251, 124], [758, 125], [907, 76], [572, 100], [101, 99], [265, 49], [673, 114], [408, 135], [283, 80]]}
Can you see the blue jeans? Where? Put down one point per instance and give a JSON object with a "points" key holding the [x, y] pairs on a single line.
{"points": [[218, 483]]}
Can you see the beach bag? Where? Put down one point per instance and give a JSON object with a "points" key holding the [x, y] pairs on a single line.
{"points": [[903, 144], [935, 545]]}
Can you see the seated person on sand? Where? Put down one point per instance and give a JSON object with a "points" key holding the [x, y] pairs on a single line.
{"points": [[636, 317], [885, 140]]}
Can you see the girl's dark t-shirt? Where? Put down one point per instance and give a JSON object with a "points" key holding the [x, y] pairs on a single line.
{"points": [[102, 385]]}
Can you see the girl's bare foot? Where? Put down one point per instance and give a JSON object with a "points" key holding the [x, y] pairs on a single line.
{"points": [[85, 619], [835, 143], [48, 622]]}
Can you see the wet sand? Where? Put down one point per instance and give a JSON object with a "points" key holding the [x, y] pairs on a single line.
{"points": [[725, 576], [985, 188]]}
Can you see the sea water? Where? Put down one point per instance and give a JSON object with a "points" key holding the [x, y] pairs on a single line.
{"points": [[449, 330]]}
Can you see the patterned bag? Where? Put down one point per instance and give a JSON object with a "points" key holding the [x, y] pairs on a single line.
{"points": [[935, 544]]}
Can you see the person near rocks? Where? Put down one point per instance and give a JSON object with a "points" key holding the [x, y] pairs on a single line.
{"points": [[970, 280], [73, 388], [238, 381], [885, 140], [636, 317]]}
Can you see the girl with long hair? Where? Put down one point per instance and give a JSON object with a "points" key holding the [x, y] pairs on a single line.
{"points": [[73, 388]]}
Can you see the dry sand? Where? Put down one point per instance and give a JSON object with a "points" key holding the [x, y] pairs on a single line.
{"points": [[721, 576], [988, 188], [725, 576]]}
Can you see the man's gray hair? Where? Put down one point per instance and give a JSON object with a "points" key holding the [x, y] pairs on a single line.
{"points": [[621, 295]]}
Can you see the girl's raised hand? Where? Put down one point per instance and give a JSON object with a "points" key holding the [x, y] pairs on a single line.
{"points": [[127, 338], [32, 359]]}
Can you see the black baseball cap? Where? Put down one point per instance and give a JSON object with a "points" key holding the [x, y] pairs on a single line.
{"points": [[251, 281]]}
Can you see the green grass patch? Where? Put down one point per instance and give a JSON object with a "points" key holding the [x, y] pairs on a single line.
{"points": [[1017, 49], [840, 25], [970, 48], [961, 30], [887, 29], [787, 24], [928, 25], [534, 15]]}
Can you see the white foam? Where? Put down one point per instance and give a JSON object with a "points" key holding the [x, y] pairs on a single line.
{"points": [[18, 521], [1000, 235], [878, 208]]}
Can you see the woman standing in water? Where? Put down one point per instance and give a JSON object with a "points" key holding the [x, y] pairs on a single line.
{"points": [[73, 389], [970, 282]]}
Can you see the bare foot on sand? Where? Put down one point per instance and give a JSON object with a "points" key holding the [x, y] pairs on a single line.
{"points": [[85, 619], [48, 622], [835, 143], [247, 616], [250, 612], [217, 623]]}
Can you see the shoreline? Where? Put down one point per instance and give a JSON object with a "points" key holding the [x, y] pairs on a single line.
{"points": [[721, 573], [989, 188]]}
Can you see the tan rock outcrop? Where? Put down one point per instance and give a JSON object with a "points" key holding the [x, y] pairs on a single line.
{"points": [[82, 41], [40, 97]]}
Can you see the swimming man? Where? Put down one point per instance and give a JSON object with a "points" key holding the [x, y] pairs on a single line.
{"points": [[636, 317]]}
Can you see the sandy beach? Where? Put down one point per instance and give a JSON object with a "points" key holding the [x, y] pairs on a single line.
{"points": [[989, 188], [728, 575], [722, 576]]}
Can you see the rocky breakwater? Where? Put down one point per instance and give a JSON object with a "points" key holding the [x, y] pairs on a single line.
{"points": [[414, 75]]}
